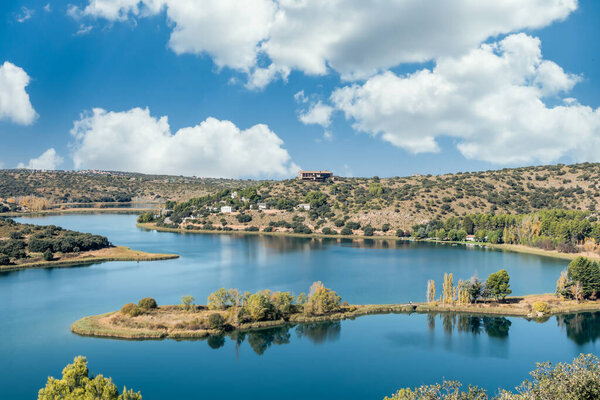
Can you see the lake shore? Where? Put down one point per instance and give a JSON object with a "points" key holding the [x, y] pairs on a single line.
{"points": [[504, 247], [76, 211], [116, 253], [173, 322]]}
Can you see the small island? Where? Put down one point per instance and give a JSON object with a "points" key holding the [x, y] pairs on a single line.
{"points": [[230, 311], [25, 246]]}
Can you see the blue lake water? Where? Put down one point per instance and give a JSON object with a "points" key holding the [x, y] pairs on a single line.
{"points": [[366, 358]]}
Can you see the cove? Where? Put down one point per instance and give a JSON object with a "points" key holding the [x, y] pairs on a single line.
{"points": [[366, 358]]}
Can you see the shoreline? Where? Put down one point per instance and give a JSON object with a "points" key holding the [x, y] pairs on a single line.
{"points": [[106, 325], [514, 248], [117, 253], [98, 210]]}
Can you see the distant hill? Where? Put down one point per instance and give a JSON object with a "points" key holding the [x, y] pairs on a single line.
{"points": [[101, 186], [402, 202]]}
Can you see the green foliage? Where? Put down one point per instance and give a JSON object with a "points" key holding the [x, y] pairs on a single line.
{"points": [[322, 300], [375, 189], [146, 218], [76, 384], [131, 309], [541, 307], [316, 199], [147, 303], [587, 273], [187, 302], [216, 321], [385, 227], [497, 284], [283, 302], [244, 218], [346, 231], [259, 307], [218, 299], [4, 259], [368, 230], [579, 380], [48, 255]]}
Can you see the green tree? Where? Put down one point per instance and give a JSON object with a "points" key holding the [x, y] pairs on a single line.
{"points": [[48, 255], [187, 302], [322, 300], [587, 273], [497, 284], [218, 299], [76, 384], [259, 307], [468, 225]]}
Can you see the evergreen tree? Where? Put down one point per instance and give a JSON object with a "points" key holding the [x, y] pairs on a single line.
{"points": [[498, 285]]}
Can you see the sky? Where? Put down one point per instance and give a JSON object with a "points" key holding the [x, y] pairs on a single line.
{"points": [[262, 88]]}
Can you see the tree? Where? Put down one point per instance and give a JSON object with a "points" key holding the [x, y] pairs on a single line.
{"points": [[430, 291], [147, 303], [474, 289], [468, 225], [498, 284], [48, 255], [368, 230], [259, 307], [448, 289], [216, 321], [187, 302], [218, 299], [587, 273], [322, 300], [283, 302], [76, 384]]}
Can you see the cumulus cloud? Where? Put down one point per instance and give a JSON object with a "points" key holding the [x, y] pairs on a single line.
{"points": [[491, 99], [49, 160], [317, 114], [14, 100], [134, 140], [356, 38]]}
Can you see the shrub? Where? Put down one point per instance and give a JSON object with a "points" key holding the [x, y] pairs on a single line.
{"points": [[48, 255], [353, 225], [4, 259], [346, 231], [268, 229], [147, 303], [368, 231], [385, 227], [243, 218], [216, 321], [541, 307], [327, 231], [131, 309]]}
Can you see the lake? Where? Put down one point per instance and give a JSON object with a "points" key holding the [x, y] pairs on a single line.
{"points": [[366, 358]]}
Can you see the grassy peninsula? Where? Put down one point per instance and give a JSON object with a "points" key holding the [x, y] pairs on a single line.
{"points": [[25, 246]]}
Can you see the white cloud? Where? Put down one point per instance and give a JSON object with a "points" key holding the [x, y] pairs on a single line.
{"points": [[317, 114], [136, 141], [491, 100], [49, 160], [83, 30], [14, 100], [48, 8], [24, 15], [356, 38]]}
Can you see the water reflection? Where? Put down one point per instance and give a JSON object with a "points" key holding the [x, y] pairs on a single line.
{"points": [[496, 327], [261, 340], [581, 328]]}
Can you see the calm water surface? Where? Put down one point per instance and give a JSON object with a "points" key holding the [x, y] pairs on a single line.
{"points": [[362, 359]]}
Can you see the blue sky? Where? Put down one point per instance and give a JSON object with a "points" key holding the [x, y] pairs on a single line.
{"points": [[119, 64]]}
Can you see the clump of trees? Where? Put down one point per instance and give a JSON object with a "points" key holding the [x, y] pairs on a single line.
{"points": [[567, 231], [581, 280], [266, 305], [579, 380], [20, 240], [144, 305], [76, 383], [497, 286]]}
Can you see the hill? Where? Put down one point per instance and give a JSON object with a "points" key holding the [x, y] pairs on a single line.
{"points": [[384, 204], [47, 189]]}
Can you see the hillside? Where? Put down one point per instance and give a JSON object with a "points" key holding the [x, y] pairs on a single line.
{"points": [[392, 203], [46, 189]]}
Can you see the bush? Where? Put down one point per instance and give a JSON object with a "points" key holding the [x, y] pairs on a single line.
{"points": [[147, 303], [541, 306], [243, 218], [346, 231], [322, 300], [368, 231], [4, 259], [268, 229], [216, 321], [131, 309], [48, 255], [385, 227], [327, 231], [353, 225]]}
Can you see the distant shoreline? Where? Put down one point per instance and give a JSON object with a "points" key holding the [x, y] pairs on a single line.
{"points": [[504, 247], [96, 210], [117, 253]]}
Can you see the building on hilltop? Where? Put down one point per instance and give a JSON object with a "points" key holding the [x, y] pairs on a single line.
{"points": [[314, 175]]}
